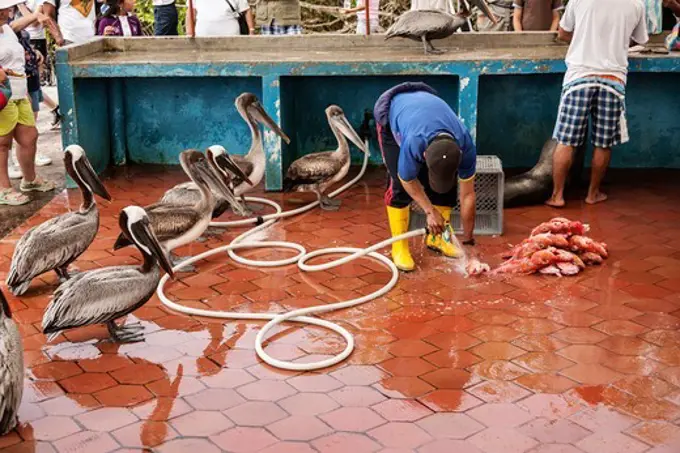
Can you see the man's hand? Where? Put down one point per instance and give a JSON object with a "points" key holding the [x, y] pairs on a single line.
{"points": [[435, 222]]}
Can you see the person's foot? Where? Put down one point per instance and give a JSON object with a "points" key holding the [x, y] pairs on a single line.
{"points": [[596, 198], [42, 160], [56, 118], [11, 198], [14, 172], [555, 202], [37, 185]]}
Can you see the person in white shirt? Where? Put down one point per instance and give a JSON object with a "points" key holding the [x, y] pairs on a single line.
{"points": [[599, 33], [219, 18], [360, 11], [76, 19], [16, 118], [440, 5]]}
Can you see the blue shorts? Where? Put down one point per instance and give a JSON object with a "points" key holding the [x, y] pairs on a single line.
{"points": [[599, 100], [36, 99]]}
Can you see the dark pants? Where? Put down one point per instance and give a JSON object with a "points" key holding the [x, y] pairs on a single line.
{"points": [[396, 196], [165, 20]]}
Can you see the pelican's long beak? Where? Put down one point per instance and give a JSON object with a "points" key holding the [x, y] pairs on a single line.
{"points": [[218, 184], [484, 8], [90, 178], [143, 236], [348, 131], [227, 163], [263, 118]]}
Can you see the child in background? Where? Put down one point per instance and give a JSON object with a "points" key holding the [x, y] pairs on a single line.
{"points": [[118, 19], [360, 10]]}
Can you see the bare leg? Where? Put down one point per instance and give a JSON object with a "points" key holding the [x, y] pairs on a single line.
{"points": [[49, 102], [600, 163], [27, 139], [5, 143], [562, 159]]}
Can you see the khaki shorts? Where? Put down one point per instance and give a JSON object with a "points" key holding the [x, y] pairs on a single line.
{"points": [[17, 111]]}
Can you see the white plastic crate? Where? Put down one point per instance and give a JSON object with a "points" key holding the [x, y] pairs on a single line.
{"points": [[489, 184]]}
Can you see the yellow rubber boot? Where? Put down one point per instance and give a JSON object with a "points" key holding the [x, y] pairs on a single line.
{"points": [[442, 243], [401, 256]]}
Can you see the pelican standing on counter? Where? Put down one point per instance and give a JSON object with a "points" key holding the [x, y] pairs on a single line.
{"points": [[55, 244], [252, 164], [426, 25], [189, 193], [101, 296], [319, 171], [176, 225], [11, 368]]}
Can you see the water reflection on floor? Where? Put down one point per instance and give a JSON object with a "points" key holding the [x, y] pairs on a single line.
{"points": [[442, 363]]}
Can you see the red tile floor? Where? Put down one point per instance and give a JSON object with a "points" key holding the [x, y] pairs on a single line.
{"points": [[442, 364]]}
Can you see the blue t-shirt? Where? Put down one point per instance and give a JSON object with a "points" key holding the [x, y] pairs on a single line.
{"points": [[416, 118]]}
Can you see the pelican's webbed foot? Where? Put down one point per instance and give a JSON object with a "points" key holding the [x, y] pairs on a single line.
{"points": [[329, 204], [130, 333], [62, 273]]}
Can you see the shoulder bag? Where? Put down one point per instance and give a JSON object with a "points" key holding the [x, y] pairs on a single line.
{"points": [[242, 23]]}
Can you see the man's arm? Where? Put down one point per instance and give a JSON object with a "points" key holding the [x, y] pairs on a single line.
{"points": [[556, 21], [435, 221], [517, 19], [468, 202], [52, 25], [564, 35]]}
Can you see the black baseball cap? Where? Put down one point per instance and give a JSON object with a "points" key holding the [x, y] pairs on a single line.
{"points": [[442, 157]]}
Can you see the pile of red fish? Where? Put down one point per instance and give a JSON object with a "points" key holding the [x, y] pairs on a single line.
{"points": [[557, 247]]}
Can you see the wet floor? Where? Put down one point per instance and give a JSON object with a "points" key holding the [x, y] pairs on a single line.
{"points": [[589, 364]]}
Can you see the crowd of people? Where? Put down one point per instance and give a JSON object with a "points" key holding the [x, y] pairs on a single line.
{"points": [[23, 49]]}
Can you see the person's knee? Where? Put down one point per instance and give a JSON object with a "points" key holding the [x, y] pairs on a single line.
{"points": [[26, 137]]}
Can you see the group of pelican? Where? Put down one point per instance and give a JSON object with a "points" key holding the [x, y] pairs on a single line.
{"points": [[218, 182]]}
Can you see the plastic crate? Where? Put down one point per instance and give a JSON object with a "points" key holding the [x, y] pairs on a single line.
{"points": [[489, 184]]}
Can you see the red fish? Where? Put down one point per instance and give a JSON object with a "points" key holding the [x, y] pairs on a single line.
{"points": [[583, 244], [539, 242], [560, 225]]}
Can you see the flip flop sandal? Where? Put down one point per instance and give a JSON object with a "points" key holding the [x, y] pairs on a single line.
{"points": [[11, 198]]}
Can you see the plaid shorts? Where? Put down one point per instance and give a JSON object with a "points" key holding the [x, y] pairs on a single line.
{"points": [[281, 30], [596, 99]]}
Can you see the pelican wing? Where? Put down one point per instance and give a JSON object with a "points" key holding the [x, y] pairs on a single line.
{"points": [[167, 221], [99, 296], [52, 244], [182, 194], [11, 373], [313, 168], [418, 23]]}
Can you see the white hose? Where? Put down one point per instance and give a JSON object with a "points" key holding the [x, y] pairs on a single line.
{"points": [[299, 315]]}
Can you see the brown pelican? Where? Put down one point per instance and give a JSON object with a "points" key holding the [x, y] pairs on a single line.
{"points": [[252, 164], [426, 25], [318, 171], [55, 244], [189, 194], [11, 368], [177, 225], [101, 296]]}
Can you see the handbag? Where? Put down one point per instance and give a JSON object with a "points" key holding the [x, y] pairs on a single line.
{"points": [[673, 39], [242, 23], [5, 92]]}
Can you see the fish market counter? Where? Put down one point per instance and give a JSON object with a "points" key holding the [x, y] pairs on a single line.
{"points": [[146, 100]]}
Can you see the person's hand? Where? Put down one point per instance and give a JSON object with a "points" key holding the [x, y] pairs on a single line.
{"points": [[3, 76], [42, 18], [109, 30], [435, 222]]}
